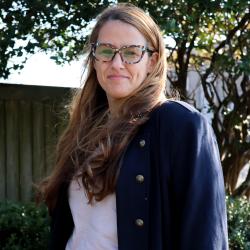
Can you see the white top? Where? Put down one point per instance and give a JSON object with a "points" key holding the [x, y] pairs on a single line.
{"points": [[95, 225]]}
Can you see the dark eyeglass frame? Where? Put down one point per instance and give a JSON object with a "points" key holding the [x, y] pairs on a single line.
{"points": [[116, 50]]}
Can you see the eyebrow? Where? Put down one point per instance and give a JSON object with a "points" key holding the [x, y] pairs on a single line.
{"points": [[124, 46]]}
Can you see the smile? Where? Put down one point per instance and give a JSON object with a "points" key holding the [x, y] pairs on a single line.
{"points": [[117, 77]]}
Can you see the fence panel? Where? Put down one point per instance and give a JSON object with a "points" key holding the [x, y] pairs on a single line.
{"points": [[12, 150], [25, 136], [2, 151], [28, 134]]}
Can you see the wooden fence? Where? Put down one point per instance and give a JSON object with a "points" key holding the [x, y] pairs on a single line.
{"points": [[31, 119]]}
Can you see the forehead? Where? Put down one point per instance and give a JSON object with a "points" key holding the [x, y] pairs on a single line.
{"points": [[120, 34]]}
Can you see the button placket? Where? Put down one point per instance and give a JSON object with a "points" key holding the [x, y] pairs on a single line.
{"points": [[141, 181]]}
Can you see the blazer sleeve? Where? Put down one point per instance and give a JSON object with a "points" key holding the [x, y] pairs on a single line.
{"points": [[196, 184], [61, 226]]}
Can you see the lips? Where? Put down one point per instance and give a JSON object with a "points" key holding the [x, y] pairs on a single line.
{"points": [[116, 77]]}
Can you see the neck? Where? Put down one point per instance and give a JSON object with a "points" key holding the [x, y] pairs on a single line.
{"points": [[114, 106]]}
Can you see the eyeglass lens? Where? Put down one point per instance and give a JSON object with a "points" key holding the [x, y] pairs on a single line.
{"points": [[130, 54]]}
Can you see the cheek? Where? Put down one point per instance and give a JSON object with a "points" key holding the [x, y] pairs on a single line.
{"points": [[99, 70], [141, 73]]}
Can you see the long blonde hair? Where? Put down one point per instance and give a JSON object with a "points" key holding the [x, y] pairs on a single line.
{"points": [[92, 144]]}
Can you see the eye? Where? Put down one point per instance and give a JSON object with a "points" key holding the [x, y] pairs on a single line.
{"points": [[104, 51], [129, 52], [132, 52]]}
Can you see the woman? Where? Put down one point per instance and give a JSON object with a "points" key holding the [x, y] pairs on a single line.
{"points": [[134, 170]]}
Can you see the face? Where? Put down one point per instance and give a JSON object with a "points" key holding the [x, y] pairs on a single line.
{"points": [[117, 78]]}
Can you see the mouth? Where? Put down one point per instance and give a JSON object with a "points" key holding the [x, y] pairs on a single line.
{"points": [[116, 77]]}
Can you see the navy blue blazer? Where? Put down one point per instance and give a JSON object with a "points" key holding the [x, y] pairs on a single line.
{"points": [[170, 191]]}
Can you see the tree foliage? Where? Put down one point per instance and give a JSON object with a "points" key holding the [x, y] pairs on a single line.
{"points": [[59, 27], [211, 38]]}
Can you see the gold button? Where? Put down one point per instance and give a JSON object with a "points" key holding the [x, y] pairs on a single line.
{"points": [[139, 178], [142, 143], [139, 222]]}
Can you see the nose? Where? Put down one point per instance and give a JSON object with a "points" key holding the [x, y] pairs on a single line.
{"points": [[117, 61]]}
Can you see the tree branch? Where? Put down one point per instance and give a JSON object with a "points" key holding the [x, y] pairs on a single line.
{"points": [[230, 35]]}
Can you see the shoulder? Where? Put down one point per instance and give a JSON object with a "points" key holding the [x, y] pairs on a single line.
{"points": [[178, 106], [178, 115]]}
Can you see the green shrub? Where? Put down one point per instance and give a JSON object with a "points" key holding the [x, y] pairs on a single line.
{"points": [[238, 213], [23, 226]]}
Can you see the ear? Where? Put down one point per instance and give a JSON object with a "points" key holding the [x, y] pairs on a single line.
{"points": [[152, 61]]}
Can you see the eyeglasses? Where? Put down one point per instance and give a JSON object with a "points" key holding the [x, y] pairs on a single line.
{"points": [[131, 54]]}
